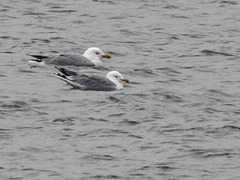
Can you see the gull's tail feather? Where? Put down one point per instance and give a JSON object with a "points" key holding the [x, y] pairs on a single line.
{"points": [[69, 81]]}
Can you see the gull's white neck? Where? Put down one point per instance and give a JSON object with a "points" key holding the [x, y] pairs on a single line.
{"points": [[116, 82], [94, 59]]}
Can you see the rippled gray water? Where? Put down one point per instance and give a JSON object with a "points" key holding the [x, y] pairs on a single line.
{"points": [[178, 119]]}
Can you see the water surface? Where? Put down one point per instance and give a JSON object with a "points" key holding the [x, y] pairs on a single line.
{"points": [[178, 119]]}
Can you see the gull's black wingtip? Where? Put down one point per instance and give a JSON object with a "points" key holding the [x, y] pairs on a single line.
{"points": [[66, 72], [37, 56]]}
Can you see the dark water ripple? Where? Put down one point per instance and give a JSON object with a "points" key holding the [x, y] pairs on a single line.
{"points": [[178, 118]]}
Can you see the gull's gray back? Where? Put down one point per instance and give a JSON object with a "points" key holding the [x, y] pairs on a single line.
{"points": [[70, 59], [95, 83]]}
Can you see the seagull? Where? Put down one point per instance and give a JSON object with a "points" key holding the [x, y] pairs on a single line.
{"points": [[82, 81], [91, 58]]}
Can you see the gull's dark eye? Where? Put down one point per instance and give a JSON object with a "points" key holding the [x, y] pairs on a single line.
{"points": [[97, 53], [116, 76]]}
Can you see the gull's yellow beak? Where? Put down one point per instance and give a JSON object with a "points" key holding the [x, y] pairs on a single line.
{"points": [[125, 80], [106, 56]]}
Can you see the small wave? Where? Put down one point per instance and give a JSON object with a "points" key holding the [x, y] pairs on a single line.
{"points": [[100, 157], [118, 17], [163, 167], [171, 7], [30, 149], [210, 110], [77, 22], [68, 121], [34, 40], [33, 14], [56, 38], [87, 15], [225, 130], [195, 129], [210, 153], [173, 98], [103, 1], [63, 11], [229, 2], [135, 136], [169, 71], [130, 123], [35, 171], [6, 133], [214, 53], [17, 105], [218, 155], [105, 177], [145, 72], [217, 96], [179, 16], [196, 36], [148, 147], [116, 115], [229, 127], [219, 93], [9, 37], [116, 53], [97, 119], [117, 100]]}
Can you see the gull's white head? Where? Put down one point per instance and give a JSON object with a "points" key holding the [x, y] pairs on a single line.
{"points": [[95, 55], [116, 78]]}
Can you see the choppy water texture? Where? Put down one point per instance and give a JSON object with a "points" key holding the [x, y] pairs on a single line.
{"points": [[178, 119]]}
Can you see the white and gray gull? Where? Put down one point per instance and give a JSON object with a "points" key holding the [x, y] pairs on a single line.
{"points": [[82, 81], [91, 58]]}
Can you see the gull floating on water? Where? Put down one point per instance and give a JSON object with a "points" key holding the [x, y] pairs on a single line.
{"points": [[91, 58], [111, 82]]}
